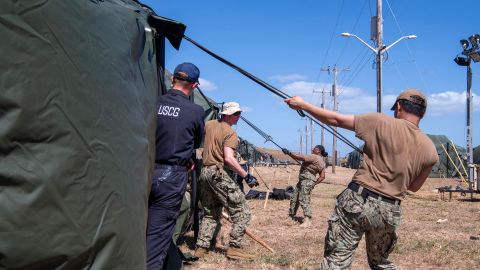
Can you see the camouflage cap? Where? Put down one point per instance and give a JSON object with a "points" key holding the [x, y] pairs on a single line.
{"points": [[412, 95]]}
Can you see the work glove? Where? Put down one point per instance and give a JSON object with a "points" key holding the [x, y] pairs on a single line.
{"points": [[251, 180], [286, 151]]}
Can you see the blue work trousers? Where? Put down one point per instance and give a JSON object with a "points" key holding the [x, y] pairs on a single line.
{"points": [[168, 187]]}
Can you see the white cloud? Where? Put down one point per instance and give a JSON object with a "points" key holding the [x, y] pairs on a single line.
{"points": [[246, 109], [288, 78], [438, 103], [355, 100], [299, 88], [449, 102], [207, 85], [351, 99]]}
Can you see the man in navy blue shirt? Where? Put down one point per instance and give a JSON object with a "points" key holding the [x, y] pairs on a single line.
{"points": [[180, 125]]}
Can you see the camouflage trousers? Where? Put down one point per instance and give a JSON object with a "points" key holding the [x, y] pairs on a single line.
{"points": [[217, 190], [301, 194], [352, 217]]}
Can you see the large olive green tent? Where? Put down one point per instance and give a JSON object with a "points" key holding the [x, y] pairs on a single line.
{"points": [[445, 167], [78, 91]]}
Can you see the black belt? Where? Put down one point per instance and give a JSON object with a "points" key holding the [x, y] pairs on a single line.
{"points": [[364, 192], [174, 167]]}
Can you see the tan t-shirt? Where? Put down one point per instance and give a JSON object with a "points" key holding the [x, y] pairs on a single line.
{"points": [[313, 163], [218, 135], [395, 153]]}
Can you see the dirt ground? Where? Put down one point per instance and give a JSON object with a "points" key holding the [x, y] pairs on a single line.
{"points": [[435, 233]]}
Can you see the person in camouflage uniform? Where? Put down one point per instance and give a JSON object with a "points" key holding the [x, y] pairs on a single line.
{"points": [[218, 189], [311, 173], [397, 157]]}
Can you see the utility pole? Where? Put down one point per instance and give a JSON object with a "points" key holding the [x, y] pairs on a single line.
{"points": [[306, 136], [301, 139], [311, 134], [376, 25], [323, 107], [335, 108], [379, 56], [311, 120]]}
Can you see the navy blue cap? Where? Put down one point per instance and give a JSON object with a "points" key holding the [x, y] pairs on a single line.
{"points": [[187, 72]]}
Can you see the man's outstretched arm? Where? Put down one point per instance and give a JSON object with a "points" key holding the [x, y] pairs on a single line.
{"points": [[325, 116]]}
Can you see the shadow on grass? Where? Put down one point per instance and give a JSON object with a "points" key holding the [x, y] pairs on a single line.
{"points": [[469, 200]]}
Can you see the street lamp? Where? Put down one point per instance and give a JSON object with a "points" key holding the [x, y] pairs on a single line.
{"points": [[470, 52], [379, 57]]}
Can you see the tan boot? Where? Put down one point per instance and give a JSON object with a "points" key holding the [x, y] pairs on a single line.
{"points": [[236, 253], [200, 252], [307, 222]]}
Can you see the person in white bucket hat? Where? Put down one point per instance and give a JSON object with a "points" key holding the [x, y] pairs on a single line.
{"points": [[230, 108], [218, 190]]}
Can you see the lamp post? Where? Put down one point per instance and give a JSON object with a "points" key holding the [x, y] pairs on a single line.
{"points": [[379, 51], [470, 52]]}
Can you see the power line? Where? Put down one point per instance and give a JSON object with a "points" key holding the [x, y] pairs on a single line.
{"points": [[330, 42], [353, 30], [408, 47], [366, 58]]}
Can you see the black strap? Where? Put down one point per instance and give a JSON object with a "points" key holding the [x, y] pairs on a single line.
{"points": [[275, 91]]}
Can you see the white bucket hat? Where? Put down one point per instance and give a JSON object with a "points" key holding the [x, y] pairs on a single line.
{"points": [[230, 108]]}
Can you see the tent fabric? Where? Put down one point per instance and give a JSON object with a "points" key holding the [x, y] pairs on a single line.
{"points": [[443, 168], [78, 92]]}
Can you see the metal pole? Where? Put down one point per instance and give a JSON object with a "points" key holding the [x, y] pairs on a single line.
{"points": [[469, 130], [311, 134], [306, 136], [379, 56], [301, 138], [335, 108], [323, 107]]}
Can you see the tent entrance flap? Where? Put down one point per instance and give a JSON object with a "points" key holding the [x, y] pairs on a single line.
{"points": [[171, 29]]}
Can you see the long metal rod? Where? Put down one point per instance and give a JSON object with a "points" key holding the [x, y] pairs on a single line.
{"points": [[267, 137], [273, 90]]}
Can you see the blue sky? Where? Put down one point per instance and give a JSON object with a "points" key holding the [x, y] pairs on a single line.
{"points": [[286, 43]]}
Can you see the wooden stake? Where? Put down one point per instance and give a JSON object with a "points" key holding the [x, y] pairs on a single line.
{"points": [[269, 188], [266, 196], [253, 236]]}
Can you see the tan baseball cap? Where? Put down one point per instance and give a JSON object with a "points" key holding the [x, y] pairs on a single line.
{"points": [[412, 95], [230, 108]]}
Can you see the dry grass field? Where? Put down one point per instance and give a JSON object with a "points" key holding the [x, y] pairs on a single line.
{"points": [[424, 243]]}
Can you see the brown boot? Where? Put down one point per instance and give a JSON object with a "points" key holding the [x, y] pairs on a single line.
{"points": [[307, 222], [236, 253], [200, 252]]}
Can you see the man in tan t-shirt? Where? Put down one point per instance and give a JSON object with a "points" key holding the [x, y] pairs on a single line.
{"points": [[217, 189], [311, 173], [397, 157]]}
